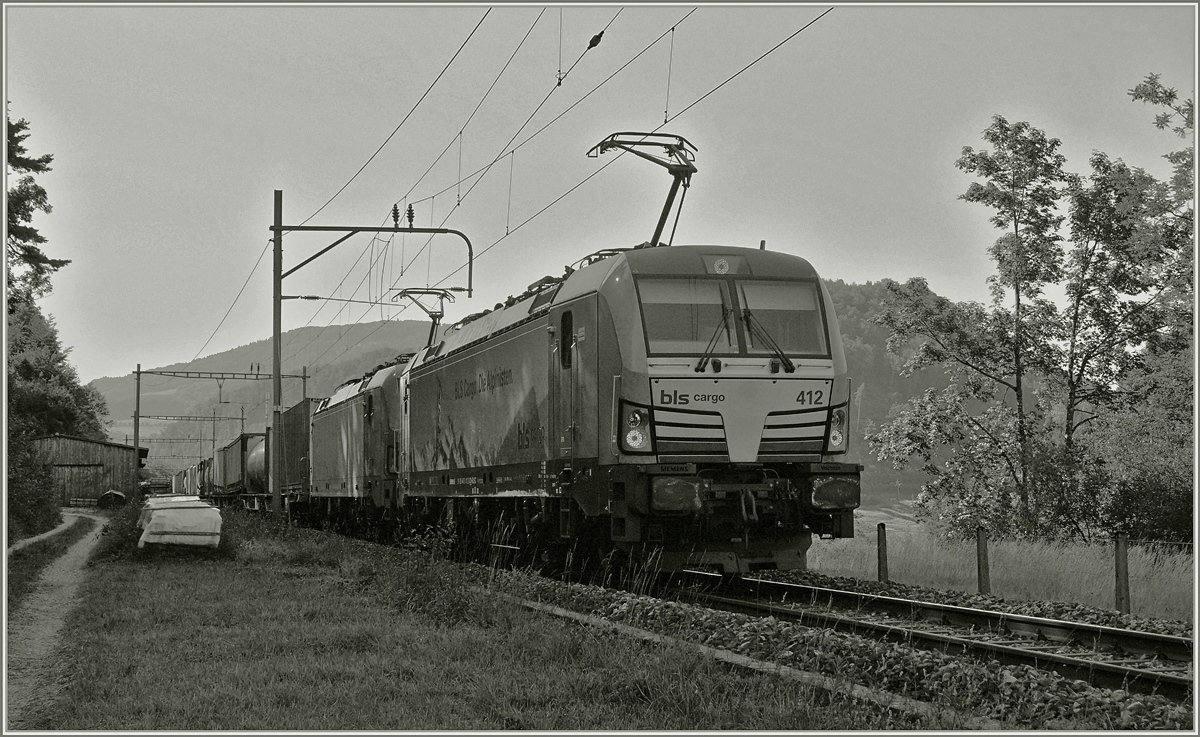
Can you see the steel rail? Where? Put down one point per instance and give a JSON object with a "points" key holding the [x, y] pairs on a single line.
{"points": [[971, 639], [1100, 637]]}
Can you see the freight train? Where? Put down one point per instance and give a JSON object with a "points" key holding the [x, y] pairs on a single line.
{"points": [[681, 404]]}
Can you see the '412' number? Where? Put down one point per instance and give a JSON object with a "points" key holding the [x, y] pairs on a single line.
{"points": [[810, 396]]}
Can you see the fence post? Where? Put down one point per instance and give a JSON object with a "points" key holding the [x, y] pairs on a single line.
{"points": [[1122, 593], [981, 561], [881, 552]]}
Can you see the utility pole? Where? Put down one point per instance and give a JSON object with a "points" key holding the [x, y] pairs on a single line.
{"points": [[276, 384], [137, 450]]}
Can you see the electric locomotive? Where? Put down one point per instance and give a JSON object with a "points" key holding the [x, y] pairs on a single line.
{"points": [[684, 404]]}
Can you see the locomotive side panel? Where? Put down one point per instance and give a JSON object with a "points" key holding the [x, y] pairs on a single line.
{"points": [[375, 442], [484, 408], [293, 448], [337, 451]]}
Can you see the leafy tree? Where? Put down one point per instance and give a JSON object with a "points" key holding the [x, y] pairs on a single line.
{"points": [[29, 268], [1148, 442], [988, 352], [44, 392], [1002, 445], [1180, 117], [1023, 181]]}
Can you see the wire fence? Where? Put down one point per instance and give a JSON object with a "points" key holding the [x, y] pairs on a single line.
{"points": [[1155, 577]]}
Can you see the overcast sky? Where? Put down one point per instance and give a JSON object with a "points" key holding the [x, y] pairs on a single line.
{"points": [[171, 126]]}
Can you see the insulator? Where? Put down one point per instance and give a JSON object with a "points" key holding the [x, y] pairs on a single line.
{"points": [[396, 215], [410, 216]]}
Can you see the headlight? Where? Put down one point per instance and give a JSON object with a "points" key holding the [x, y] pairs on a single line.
{"points": [[837, 435], [636, 440], [635, 436]]}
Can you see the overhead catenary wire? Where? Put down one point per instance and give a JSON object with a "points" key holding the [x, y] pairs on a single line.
{"points": [[353, 177], [483, 169], [227, 312], [681, 112], [504, 150], [760, 58], [613, 160], [478, 105], [403, 264]]}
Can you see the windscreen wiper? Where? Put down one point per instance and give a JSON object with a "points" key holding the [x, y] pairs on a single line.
{"points": [[753, 325], [712, 342]]}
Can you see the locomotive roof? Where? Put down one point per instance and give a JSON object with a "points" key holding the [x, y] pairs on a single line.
{"points": [[689, 260], [675, 260]]}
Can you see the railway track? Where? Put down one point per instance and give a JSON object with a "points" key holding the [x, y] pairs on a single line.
{"points": [[1108, 657]]}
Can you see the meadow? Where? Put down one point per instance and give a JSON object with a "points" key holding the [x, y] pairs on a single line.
{"points": [[289, 629]]}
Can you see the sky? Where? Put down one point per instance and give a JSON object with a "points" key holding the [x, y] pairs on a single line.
{"points": [[829, 131]]}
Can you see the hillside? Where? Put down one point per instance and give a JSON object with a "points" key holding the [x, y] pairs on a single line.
{"points": [[330, 355], [343, 352]]}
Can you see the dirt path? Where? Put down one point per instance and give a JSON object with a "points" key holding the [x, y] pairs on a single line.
{"points": [[34, 629]]}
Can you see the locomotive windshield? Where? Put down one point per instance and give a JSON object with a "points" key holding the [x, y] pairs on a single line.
{"points": [[696, 315], [685, 315]]}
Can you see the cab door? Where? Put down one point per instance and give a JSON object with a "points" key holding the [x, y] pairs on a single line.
{"points": [[563, 384], [574, 356]]}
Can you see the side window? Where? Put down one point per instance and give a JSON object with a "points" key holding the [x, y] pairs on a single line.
{"points": [[566, 340]]}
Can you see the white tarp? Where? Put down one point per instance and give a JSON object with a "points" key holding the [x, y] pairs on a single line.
{"points": [[179, 520]]}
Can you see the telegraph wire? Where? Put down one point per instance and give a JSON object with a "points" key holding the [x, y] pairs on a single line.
{"points": [[254, 268], [235, 301], [592, 44]]}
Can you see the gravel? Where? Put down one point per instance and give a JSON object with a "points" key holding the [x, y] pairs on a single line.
{"points": [[1022, 696]]}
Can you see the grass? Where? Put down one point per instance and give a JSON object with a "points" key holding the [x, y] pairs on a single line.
{"points": [[27, 563], [292, 629], [1161, 585]]}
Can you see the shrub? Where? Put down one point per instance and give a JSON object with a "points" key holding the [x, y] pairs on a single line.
{"points": [[32, 500]]}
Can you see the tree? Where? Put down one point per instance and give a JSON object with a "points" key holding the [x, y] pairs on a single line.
{"points": [[44, 392], [29, 268], [1148, 442], [1030, 381], [989, 352], [1182, 114]]}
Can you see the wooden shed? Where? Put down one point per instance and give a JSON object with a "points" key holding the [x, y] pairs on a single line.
{"points": [[84, 469]]}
